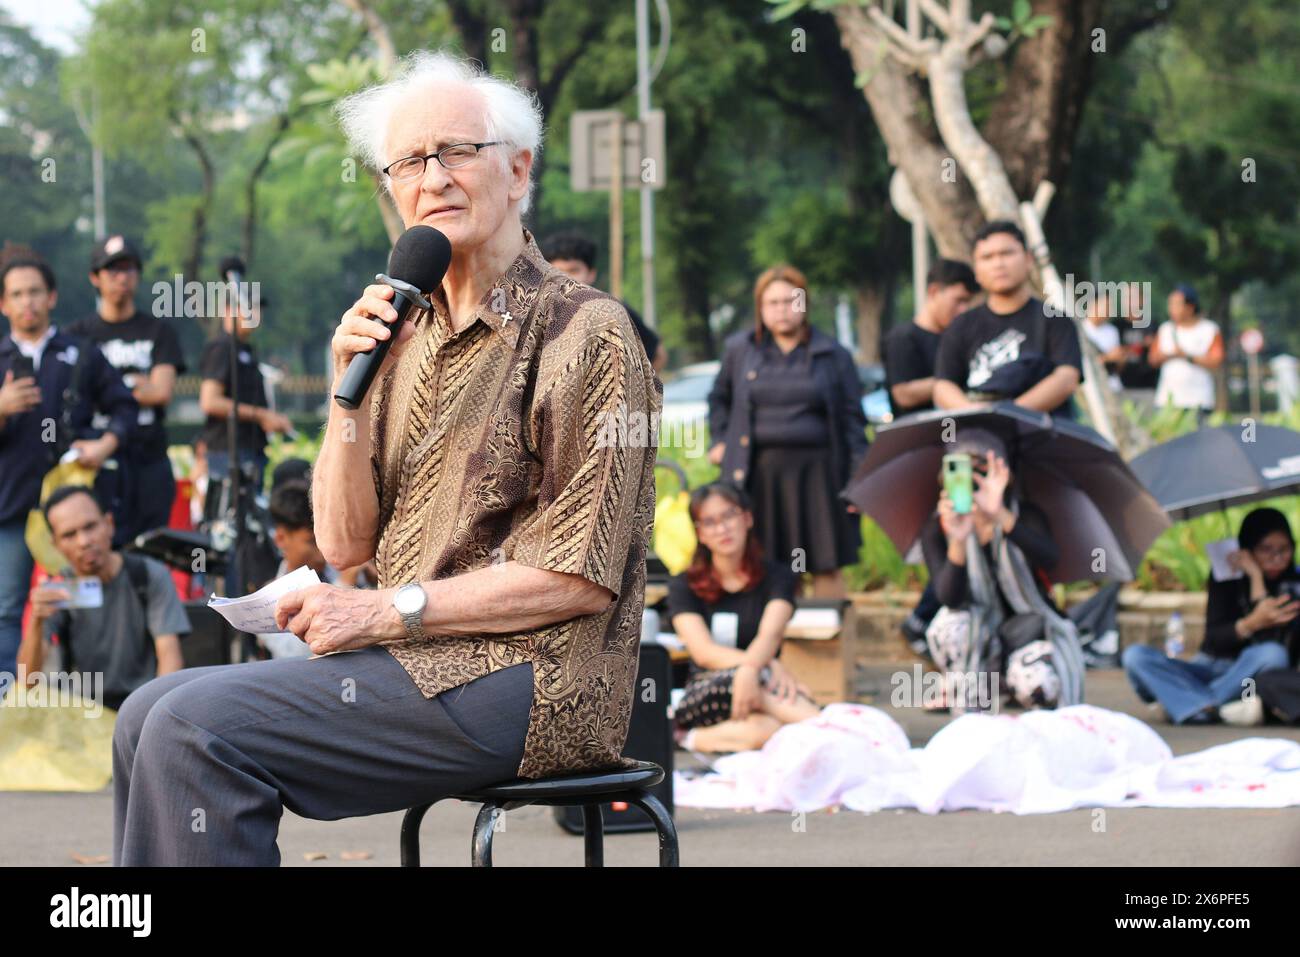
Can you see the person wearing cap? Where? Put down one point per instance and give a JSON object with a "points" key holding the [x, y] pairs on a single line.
{"points": [[51, 385], [147, 352], [256, 418], [1187, 350]]}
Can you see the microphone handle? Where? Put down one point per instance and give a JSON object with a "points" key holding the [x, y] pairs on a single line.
{"points": [[363, 368]]}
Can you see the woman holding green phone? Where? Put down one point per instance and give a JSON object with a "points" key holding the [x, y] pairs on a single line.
{"points": [[986, 552]]}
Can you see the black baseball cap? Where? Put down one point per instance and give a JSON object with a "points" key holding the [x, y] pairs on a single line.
{"points": [[114, 249]]}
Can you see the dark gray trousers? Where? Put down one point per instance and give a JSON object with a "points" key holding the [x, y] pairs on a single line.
{"points": [[205, 759]]}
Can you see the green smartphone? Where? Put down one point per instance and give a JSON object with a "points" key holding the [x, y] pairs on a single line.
{"points": [[957, 481]]}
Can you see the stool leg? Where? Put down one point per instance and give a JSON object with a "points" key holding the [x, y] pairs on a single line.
{"points": [[411, 835], [593, 836], [663, 822], [485, 826]]}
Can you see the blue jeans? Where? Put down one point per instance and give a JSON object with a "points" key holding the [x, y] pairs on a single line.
{"points": [[1187, 687], [219, 463], [15, 582]]}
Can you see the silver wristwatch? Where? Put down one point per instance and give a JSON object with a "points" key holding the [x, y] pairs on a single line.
{"points": [[409, 600]]}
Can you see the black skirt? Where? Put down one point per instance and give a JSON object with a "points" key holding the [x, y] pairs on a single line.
{"points": [[797, 506]]}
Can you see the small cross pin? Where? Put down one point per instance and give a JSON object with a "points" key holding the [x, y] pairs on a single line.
{"points": [[505, 318]]}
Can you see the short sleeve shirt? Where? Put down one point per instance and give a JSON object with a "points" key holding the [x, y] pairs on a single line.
{"points": [[1006, 355], [1183, 384], [910, 353], [133, 347], [747, 605], [117, 638], [527, 436], [214, 364]]}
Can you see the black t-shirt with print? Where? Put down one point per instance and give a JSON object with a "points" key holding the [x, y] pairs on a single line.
{"points": [[1006, 355], [778, 581], [133, 347], [910, 354], [215, 364]]}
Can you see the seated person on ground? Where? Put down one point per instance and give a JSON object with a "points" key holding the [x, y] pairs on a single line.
{"points": [[730, 608], [971, 558], [291, 519], [1248, 622], [133, 636]]}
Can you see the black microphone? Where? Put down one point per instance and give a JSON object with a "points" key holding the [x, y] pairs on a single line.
{"points": [[232, 271], [416, 266]]}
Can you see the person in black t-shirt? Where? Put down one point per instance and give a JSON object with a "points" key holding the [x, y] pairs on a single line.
{"points": [[911, 349], [1009, 347], [147, 352], [575, 256], [730, 609], [255, 418]]}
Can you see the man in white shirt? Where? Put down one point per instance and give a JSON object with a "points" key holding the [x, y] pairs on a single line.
{"points": [[1187, 350]]}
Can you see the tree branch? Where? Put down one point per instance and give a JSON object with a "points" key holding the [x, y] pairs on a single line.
{"points": [[902, 46]]}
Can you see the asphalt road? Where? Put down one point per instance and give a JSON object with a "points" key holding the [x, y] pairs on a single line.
{"points": [[49, 828]]}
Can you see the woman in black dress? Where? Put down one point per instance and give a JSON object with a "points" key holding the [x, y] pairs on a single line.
{"points": [[786, 416], [730, 609]]}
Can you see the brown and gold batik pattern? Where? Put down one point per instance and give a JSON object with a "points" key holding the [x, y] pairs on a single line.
{"points": [[492, 445]]}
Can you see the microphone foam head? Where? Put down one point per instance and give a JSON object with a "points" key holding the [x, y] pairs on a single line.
{"points": [[420, 257]]}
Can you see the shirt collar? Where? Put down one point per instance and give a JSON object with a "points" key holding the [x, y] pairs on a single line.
{"points": [[513, 296], [35, 351]]}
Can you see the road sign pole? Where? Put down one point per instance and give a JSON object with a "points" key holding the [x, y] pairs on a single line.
{"points": [[647, 196], [616, 209]]}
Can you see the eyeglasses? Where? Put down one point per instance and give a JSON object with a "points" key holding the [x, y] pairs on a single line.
{"points": [[1282, 552], [726, 518], [451, 157]]}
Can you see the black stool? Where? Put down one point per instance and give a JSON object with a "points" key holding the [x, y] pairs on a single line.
{"points": [[587, 789]]}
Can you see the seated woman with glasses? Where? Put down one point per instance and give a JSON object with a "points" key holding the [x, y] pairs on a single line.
{"points": [[730, 609], [1248, 623]]}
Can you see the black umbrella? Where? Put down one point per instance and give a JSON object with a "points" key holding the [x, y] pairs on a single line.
{"points": [[1212, 468], [1101, 517]]}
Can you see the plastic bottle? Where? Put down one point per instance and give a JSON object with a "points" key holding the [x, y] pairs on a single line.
{"points": [[1174, 635]]}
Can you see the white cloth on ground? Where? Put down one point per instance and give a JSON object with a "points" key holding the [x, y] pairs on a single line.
{"points": [[1034, 762]]}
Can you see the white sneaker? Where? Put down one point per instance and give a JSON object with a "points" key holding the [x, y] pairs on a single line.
{"points": [[1245, 713]]}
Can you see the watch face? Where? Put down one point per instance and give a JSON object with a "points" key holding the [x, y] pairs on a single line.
{"points": [[409, 599]]}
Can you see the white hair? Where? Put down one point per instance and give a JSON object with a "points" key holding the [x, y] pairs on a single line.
{"points": [[511, 116]]}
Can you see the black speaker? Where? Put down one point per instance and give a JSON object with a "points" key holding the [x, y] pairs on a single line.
{"points": [[649, 738], [208, 642]]}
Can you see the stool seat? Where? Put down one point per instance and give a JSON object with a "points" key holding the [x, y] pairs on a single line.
{"points": [[586, 789], [568, 786]]}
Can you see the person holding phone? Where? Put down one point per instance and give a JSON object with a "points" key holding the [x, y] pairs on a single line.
{"points": [[730, 608], [980, 537], [51, 386], [1249, 622], [116, 615]]}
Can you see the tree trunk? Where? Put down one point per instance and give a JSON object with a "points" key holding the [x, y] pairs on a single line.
{"points": [[1034, 123], [199, 230], [872, 298], [898, 105], [248, 231]]}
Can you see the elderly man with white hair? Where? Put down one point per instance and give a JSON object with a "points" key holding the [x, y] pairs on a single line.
{"points": [[508, 531]]}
